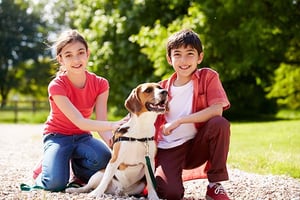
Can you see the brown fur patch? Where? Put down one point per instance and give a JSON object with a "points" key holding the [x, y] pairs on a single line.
{"points": [[123, 130], [122, 166], [135, 103]]}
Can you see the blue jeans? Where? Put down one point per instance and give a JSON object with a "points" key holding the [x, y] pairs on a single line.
{"points": [[87, 156]]}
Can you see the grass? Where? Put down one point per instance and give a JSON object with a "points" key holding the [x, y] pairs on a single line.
{"points": [[23, 117], [266, 147], [260, 147]]}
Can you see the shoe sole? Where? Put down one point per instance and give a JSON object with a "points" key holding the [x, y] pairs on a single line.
{"points": [[208, 198]]}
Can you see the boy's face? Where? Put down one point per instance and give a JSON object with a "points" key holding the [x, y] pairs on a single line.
{"points": [[184, 61]]}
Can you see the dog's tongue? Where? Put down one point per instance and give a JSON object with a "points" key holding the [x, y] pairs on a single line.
{"points": [[159, 106]]}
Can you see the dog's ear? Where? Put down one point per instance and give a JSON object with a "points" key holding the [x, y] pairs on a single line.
{"points": [[133, 103]]}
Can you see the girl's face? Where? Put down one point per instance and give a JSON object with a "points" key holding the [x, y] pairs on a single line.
{"points": [[74, 57], [184, 61]]}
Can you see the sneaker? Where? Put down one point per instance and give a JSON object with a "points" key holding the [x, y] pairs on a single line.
{"points": [[217, 192], [75, 182]]}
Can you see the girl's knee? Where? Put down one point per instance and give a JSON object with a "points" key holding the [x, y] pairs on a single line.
{"points": [[55, 187], [53, 184], [98, 162]]}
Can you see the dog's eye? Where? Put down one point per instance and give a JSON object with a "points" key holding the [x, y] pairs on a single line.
{"points": [[148, 90]]}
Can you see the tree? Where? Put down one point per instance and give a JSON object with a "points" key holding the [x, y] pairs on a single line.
{"points": [[108, 26], [244, 41], [33, 77], [21, 38], [248, 42]]}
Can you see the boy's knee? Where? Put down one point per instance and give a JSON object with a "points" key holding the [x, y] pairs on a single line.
{"points": [[167, 191], [219, 122], [170, 194]]}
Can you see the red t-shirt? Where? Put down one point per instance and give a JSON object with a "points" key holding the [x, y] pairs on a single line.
{"points": [[82, 98], [208, 90]]}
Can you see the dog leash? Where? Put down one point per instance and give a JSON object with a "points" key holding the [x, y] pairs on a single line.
{"points": [[25, 187], [149, 167]]}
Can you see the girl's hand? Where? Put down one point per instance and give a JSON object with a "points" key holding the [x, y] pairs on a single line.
{"points": [[107, 137], [117, 124]]}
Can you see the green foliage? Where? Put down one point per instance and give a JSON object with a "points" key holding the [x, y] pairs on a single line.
{"points": [[286, 88], [34, 76], [21, 39], [288, 114], [244, 41], [153, 40], [253, 45], [108, 25]]}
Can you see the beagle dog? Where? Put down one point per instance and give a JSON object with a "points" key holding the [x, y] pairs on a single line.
{"points": [[133, 142]]}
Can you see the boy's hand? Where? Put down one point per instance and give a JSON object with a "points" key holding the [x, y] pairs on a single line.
{"points": [[169, 127]]}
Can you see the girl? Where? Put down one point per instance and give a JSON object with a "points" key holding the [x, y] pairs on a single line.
{"points": [[73, 95]]}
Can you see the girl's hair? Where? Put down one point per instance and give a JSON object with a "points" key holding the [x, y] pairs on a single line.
{"points": [[184, 38], [65, 38]]}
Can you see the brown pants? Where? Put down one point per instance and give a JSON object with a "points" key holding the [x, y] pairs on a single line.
{"points": [[211, 144]]}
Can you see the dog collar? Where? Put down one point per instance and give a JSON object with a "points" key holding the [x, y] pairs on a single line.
{"points": [[131, 139]]}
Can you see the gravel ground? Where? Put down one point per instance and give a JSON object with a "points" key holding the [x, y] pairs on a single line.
{"points": [[21, 147]]}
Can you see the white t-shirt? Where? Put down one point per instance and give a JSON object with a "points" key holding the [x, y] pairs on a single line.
{"points": [[180, 105]]}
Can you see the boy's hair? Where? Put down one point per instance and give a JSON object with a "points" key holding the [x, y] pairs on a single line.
{"points": [[184, 38]]}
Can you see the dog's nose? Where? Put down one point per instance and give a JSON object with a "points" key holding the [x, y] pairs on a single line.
{"points": [[164, 92]]}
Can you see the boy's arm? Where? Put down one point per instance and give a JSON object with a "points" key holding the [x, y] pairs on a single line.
{"points": [[200, 116]]}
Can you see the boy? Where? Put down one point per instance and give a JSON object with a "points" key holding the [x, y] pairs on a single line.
{"points": [[193, 133]]}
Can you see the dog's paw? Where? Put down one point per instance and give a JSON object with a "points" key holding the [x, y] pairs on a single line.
{"points": [[152, 195], [153, 198], [96, 194], [115, 188], [71, 190]]}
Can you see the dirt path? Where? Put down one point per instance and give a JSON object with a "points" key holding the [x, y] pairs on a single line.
{"points": [[21, 147]]}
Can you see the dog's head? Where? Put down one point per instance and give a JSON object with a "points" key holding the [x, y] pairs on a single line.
{"points": [[147, 97]]}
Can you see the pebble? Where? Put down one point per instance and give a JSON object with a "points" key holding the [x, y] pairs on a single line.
{"points": [[21, 148]]}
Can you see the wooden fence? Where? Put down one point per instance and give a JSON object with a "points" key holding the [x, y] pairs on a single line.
{"points": [[17, 106]]}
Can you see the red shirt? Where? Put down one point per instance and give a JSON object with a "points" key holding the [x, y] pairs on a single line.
{"points": [[208, 90], [82, 98]]}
